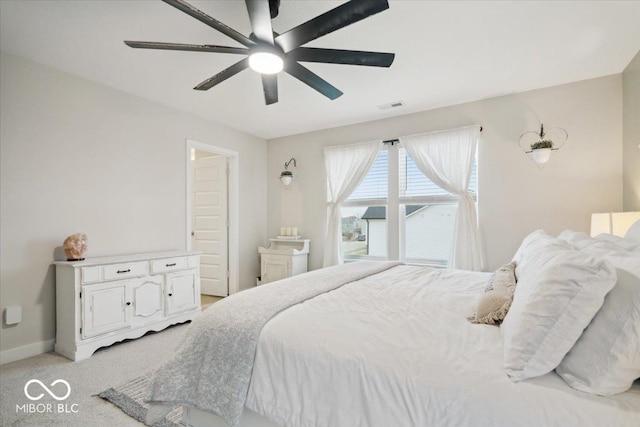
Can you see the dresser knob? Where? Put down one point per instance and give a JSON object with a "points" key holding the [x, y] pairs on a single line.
{"points": [[170, 294], [128, 303]]}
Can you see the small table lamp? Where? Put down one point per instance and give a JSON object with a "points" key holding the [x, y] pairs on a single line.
{"points": [[616, 223]]}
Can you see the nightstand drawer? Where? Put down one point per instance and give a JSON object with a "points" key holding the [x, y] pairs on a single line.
{"points": [[169, 264], [124, 270]]}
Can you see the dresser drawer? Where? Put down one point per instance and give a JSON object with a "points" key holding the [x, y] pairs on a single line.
{"points": [[91, 274], [124, 270], [169, 264]]}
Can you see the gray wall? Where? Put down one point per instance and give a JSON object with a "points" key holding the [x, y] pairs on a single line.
{"points": [[631, 135], [515, 197], [77, 156]]}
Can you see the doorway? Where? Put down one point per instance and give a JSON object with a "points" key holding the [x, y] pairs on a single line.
{"points": [[211, 216]]}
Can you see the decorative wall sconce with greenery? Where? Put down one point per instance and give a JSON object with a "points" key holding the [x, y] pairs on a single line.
{"points": [[287, 176], [539, 148]]}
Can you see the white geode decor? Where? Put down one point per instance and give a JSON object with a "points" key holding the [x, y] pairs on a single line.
{"points": [[75, 246]]}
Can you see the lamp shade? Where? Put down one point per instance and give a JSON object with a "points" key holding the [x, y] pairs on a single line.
{"points": [[600, 223], [286, 178], [616, 223]]}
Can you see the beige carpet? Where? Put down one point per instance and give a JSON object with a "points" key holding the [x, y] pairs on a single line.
{"points": [[109, 367], [129, 397]]}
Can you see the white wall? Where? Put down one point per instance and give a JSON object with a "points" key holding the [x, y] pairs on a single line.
{"points": [[428, 232], [631, 123], [77, 156], [377, 237], [515, 197]]}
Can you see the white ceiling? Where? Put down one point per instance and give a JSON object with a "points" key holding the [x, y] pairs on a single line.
{"points": [[447, 52]]}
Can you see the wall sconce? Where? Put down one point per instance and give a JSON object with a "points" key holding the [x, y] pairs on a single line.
{"points": [[287, 176], [540, 149], [616, 223]]}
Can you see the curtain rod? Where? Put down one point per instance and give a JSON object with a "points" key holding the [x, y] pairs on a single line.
{"points": [[396, 140]]}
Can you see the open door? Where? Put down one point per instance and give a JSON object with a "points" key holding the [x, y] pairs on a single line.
{"points": [[210, 221]]}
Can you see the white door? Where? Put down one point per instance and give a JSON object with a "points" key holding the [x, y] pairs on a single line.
{"points": [[210, 223]]}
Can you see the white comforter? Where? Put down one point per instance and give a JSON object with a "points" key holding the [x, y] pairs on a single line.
{"points": [[395, 350]]}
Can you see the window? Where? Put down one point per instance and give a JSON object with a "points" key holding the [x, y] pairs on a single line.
{"points": [[364, 214], [420, 224]]}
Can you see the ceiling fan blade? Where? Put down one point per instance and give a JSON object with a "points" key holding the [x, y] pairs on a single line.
{"points": [[270, 86], [223, 75], [260, 18], [311, 79], [339, 56], [341, 16], [274, 8], [186, 47], [213, 23]]}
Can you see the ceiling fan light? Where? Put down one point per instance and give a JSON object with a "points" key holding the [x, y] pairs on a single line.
{"points": [[266, 62]]}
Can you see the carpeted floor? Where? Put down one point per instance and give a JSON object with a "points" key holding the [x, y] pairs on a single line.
{"points": [[108, 367], [129, 397]]}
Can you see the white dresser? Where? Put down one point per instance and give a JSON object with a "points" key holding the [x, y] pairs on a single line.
{"points": [[283, 258], [101, 301]]}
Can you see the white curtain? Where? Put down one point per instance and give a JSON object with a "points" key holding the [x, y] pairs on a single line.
{"points": [[346, 166], [446, 158]]}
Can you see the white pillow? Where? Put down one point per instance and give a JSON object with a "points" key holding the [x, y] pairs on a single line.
{"points": [[618, 242], [633, 233], [535, 238], [558, 292], [606, 358], [601, 243], [577, 239]]}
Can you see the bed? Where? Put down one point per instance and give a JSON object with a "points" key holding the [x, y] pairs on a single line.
{"points": [[394, 348]]}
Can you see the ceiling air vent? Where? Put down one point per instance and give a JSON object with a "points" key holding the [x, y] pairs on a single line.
{"points": [[391, 105]]}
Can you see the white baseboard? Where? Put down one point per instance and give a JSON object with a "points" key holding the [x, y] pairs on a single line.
{"points": [[25, 351]]}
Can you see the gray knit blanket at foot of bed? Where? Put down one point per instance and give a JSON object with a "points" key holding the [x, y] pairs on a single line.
{"points": [[211, 369]]}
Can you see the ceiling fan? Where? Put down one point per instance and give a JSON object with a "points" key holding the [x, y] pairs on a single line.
{"points": [[268, 52]]}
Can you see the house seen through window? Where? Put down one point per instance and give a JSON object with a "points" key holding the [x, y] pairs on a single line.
{"points": [[422, 231]]}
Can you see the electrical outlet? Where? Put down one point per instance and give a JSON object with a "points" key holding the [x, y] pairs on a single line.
{"points": [[13, 315]]}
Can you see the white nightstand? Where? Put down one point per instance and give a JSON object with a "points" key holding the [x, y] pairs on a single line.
{"points": [[283, 258]]}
